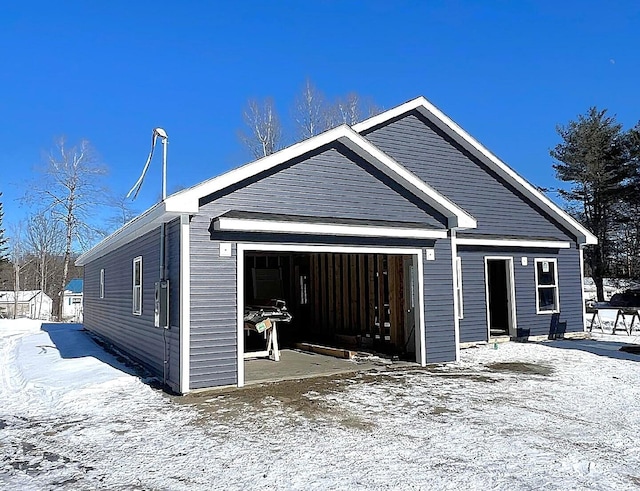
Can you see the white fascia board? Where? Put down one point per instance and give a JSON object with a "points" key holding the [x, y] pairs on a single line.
{"points": [[430, 111], [250, 225], [390, 114], [458, 218], [547, 244], [130, 231]]}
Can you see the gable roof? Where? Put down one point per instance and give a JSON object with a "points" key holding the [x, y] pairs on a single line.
{"points": [[187, 201], [9, 296], [473, 146], [74, 286]]}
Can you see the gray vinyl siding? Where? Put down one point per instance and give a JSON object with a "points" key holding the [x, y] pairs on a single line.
{"points": [[213, 346], [473, 327], [441, 163], [438, 305], [333, 183], [111, 317]]}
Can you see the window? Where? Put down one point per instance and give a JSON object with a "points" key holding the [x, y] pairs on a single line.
{"points": [[137, 286], [547, 299], [102, 283], [459, 287]]}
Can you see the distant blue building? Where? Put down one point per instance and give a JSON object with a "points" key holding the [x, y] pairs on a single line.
{"points": [[72, 301]]}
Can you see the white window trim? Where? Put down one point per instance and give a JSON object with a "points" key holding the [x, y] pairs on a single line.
{"points": [[459, 288], [556, 285], [133, 287], [102, 283]]}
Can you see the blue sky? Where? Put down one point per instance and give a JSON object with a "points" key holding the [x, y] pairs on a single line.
{"points": [[506, 71]]}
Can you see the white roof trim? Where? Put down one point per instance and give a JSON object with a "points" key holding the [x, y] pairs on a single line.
{"points": [[187, 201], [431, 112], [137, 227], [548, 244], [252, 225]]}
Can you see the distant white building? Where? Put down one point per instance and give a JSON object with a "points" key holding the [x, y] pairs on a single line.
{"points": [[72, 301], [32, 304]]}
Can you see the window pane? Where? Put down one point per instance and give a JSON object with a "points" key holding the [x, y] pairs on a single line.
{"points": [[546, 299], [136, 273], [546, 273]]}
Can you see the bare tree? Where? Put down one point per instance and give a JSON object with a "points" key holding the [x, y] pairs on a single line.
{"points": [[263, 125], [71, 191], [18, 259], [352, 109], [43, 240], [123, 212], [311, 111], [3, 239]]}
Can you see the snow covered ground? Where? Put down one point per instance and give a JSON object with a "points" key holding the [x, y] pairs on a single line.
{"points": [[557, 415]]}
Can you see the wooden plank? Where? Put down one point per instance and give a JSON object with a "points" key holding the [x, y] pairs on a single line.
{"points": [[315, 281], [326, 350], [381, 296], [322, 274], [391, 273], [371, 296], [331, 309], [353, 294], [346, 305], [362, 293], [338, 290]]}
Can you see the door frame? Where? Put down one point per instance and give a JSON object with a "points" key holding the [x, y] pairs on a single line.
{"points": [[418, 267], [511, 293]]}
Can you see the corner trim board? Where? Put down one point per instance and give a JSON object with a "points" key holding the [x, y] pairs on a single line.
{"points": [[456, 303], [185, 304]]}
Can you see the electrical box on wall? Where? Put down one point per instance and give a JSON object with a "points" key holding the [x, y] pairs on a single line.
{"points": [[524, 261], [225, 249], [161, 310], [431, 254]]}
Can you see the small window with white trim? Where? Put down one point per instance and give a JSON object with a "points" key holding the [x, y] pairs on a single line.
{"points": [[102, 283], [547, 296], [459, 287], [137, 286]]}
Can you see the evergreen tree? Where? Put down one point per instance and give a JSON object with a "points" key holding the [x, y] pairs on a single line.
{"points": [[594, 157], [3, 241]]}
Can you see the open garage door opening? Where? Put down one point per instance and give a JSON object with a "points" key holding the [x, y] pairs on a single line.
{"points": [[347, 302]]}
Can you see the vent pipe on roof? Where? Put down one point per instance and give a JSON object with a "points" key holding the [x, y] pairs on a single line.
{"points": [[157, 132]]}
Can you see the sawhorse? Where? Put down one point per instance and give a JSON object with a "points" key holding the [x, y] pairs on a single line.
{"points": [[273, 351], [621, 315]]}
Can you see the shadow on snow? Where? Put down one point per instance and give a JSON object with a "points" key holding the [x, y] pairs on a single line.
{"points": [[73, 341], [610, 349]]}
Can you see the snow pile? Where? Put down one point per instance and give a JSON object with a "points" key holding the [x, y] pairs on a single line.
{"points": [[558, 415]]}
